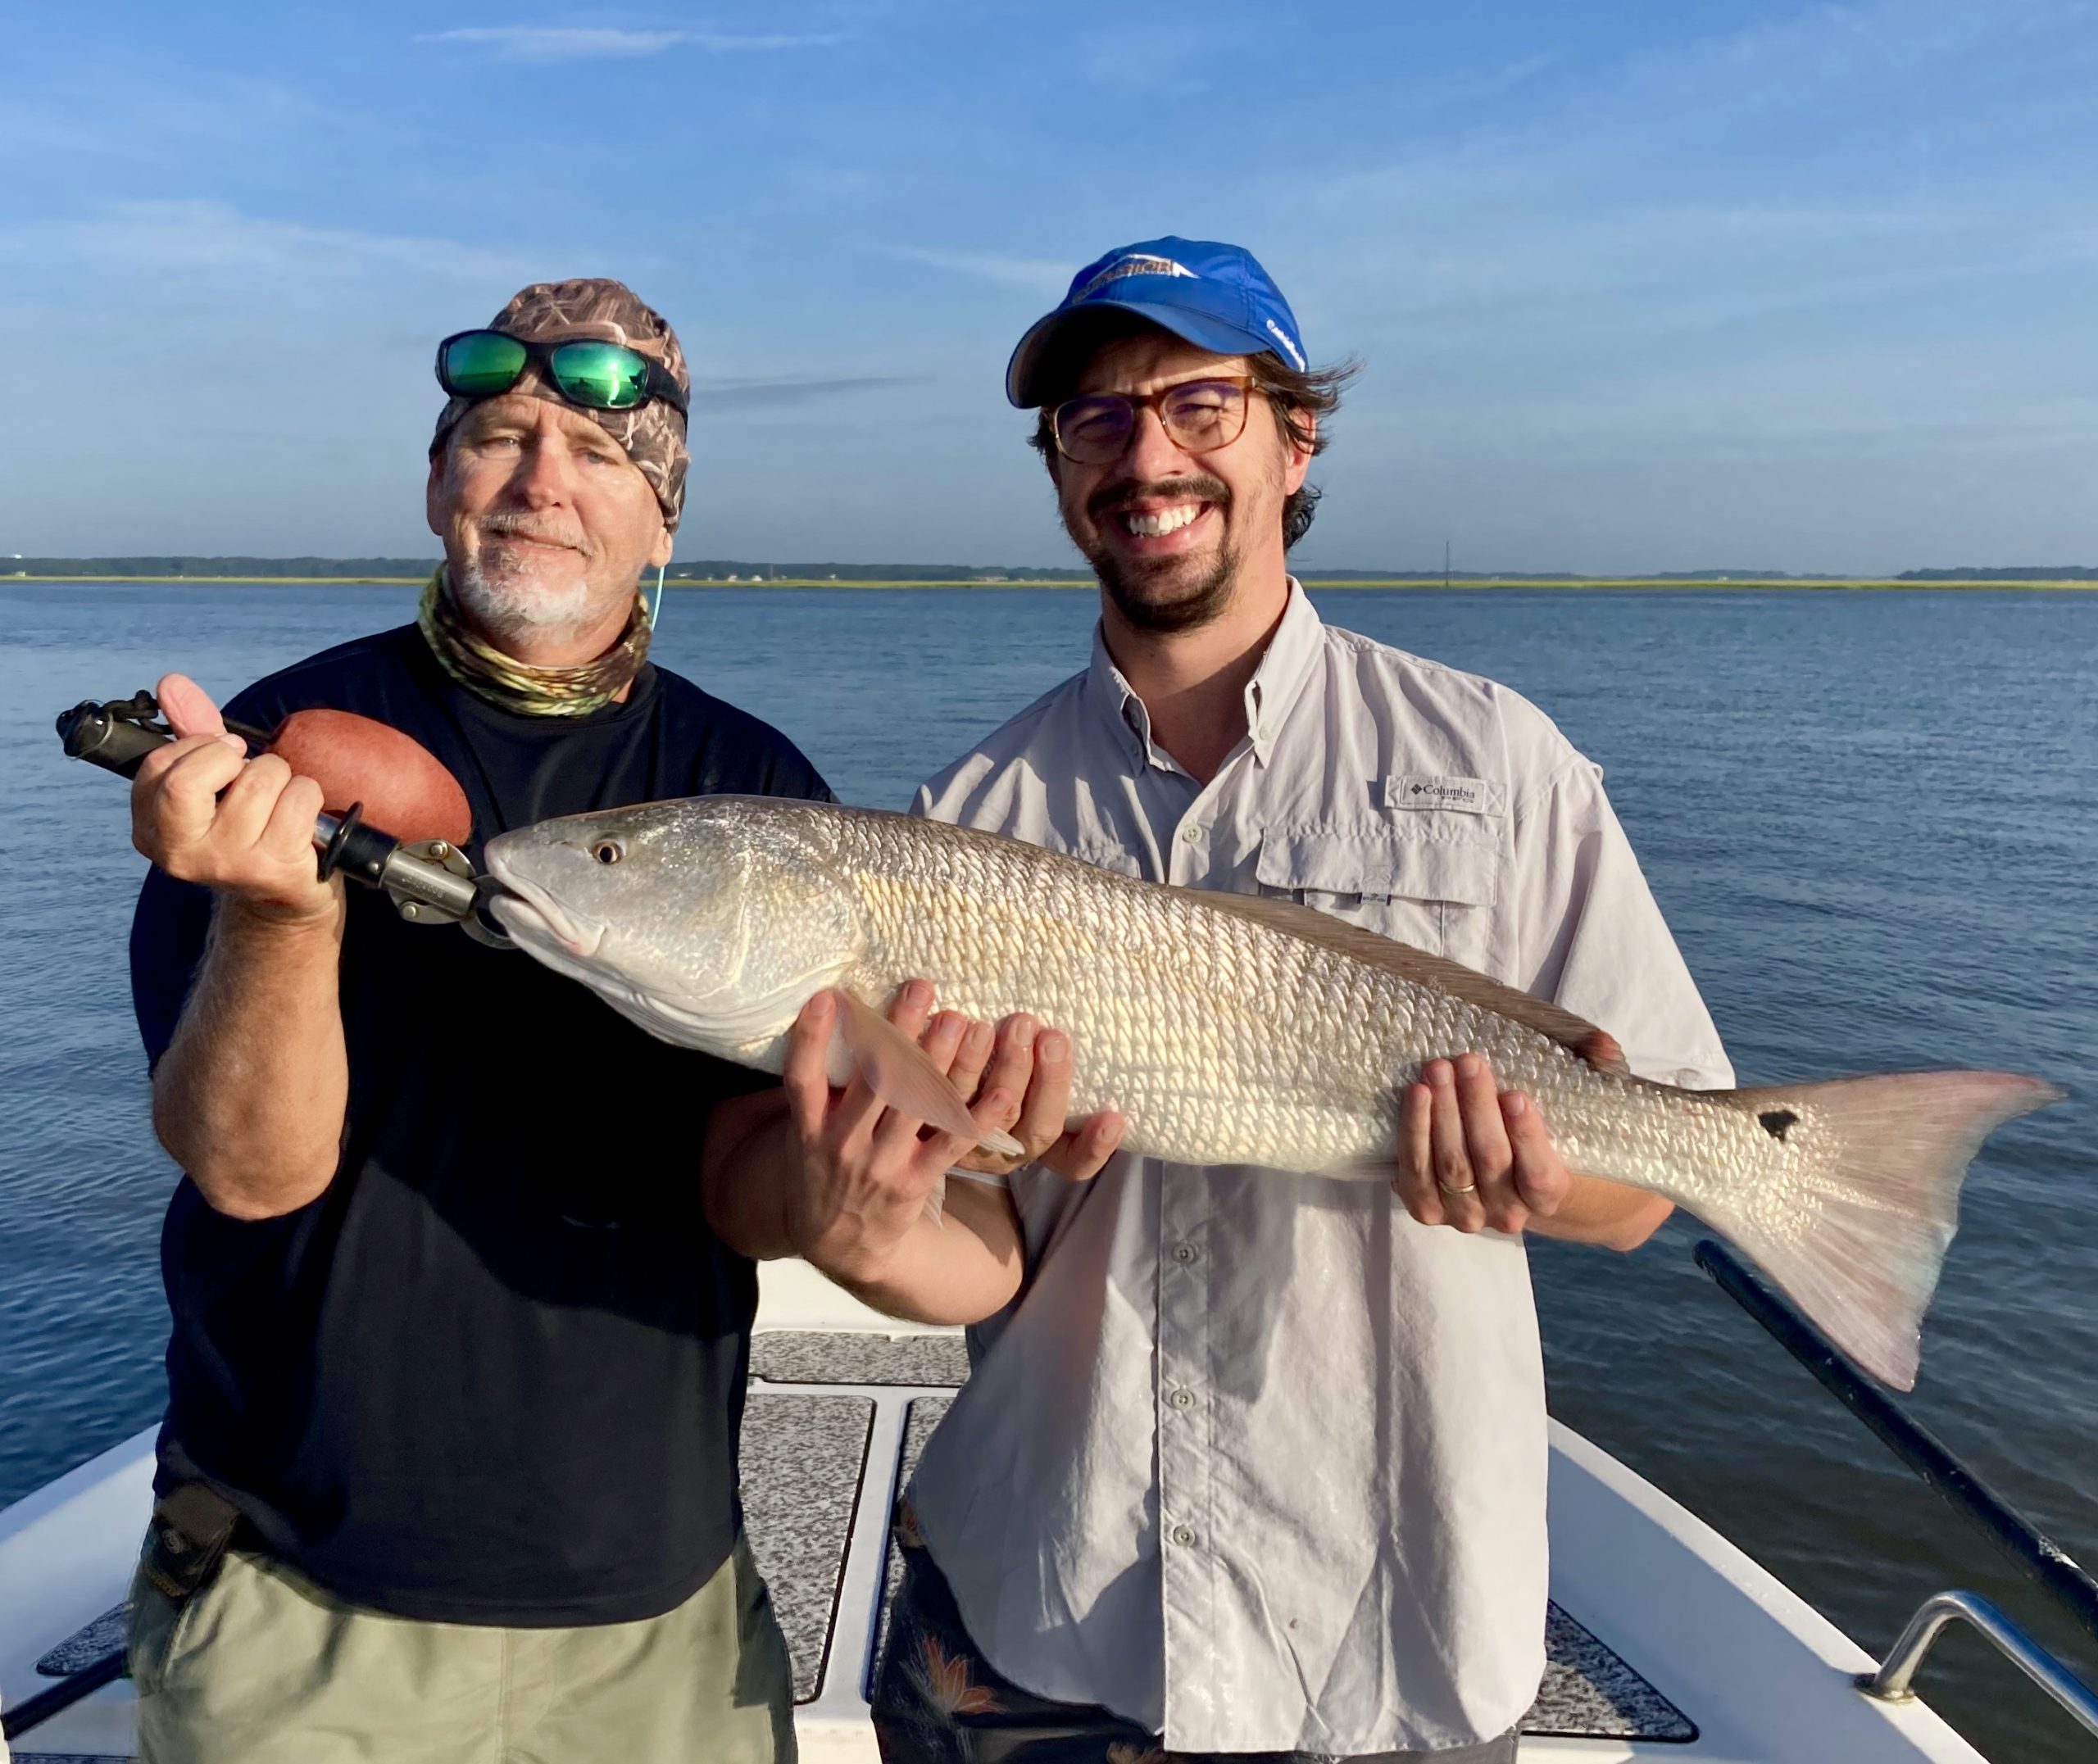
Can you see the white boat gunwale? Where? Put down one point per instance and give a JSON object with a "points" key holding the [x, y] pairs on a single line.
{"points": [[1762, 1677]]}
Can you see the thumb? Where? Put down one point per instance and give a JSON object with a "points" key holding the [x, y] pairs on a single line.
{"points": [[1080, 1154], [189, 710], [1540, 1179]]}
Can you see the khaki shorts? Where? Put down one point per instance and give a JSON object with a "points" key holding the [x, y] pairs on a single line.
{"points": [[261, 1666]]}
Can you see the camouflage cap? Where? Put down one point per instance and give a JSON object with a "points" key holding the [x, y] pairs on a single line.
{"points": [[597, 306]]}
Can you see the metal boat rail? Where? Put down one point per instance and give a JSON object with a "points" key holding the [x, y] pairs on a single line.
{"points": [[1893, 1682], [2037, 1556]]}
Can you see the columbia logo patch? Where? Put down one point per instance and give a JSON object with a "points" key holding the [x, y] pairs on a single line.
{"points": [[1140, 265], [1467, 796]]}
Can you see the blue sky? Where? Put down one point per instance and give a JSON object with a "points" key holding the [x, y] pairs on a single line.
{"points": [[1638, 286]]}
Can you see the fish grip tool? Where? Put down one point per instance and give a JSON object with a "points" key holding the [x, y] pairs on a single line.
{"points": [[430, 881]]}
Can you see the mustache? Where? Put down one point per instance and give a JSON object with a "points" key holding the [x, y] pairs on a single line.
{"points": [[500, 525], [1197, 487]]}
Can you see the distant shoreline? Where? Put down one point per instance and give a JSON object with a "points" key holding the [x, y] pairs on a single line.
{"points": [[1394, 583]]}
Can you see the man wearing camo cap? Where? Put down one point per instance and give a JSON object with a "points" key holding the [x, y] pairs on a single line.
{"points": [[457, 1363], [604, 362], [449, 1469]]}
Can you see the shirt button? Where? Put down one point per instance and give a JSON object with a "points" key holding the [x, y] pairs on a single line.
{"points": [[1193, 835], [1185, 1252], [1182, 1399], [1184, 1535]]}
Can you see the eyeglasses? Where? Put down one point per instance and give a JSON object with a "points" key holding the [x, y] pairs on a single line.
{"points": [[586, 371], [1199, 416]]}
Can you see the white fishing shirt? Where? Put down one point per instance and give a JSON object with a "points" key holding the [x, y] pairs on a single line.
{"points": [[1254, 1458]]}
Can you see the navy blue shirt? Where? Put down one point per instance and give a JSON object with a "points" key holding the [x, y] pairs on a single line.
{"points": [[494, 1374]]}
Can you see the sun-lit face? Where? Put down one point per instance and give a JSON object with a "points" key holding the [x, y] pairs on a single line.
{"points": [[547, 524], [1170, 533]]}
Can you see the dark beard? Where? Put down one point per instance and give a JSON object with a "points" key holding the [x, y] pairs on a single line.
{"points": [[1136, 588]]}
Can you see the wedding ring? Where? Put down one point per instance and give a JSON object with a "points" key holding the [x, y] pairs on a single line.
{"points": [[1469, 1188]]}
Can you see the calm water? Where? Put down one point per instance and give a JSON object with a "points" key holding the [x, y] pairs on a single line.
{"points": [[1871, 819]]}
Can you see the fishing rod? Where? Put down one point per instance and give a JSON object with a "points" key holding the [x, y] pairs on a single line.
{"points": [[430, 881]]}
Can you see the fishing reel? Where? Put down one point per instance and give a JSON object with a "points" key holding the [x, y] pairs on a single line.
{"points": [[430, 881]]}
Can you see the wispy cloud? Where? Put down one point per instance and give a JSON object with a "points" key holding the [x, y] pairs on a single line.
{"points": [[1715, 180], [1037, 274], [542, 43], [144, 244], [751, 394], [123, 111]]}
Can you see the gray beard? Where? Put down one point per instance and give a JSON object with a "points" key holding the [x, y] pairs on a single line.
{"points": [[504, 607]]}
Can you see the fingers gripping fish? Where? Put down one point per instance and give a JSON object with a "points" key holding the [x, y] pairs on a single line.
{"points": [[1226, 1029]]}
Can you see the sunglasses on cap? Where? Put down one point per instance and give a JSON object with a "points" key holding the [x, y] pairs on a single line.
{"points": [[586, 371]]}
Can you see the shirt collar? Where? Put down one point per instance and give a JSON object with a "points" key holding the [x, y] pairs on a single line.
{"points": [[1279, 679], [1271, 692], [1115, 701]]}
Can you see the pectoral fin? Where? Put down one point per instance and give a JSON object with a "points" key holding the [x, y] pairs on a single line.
{"points": [[898, 1071]]}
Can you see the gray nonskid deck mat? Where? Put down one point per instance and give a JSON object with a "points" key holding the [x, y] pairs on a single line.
{"points": [[792, 1356], [803, 1457], [1589, 1693]]}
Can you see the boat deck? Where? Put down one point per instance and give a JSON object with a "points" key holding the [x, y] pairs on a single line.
{"points": [[1665, 1642], [825, 1411]]}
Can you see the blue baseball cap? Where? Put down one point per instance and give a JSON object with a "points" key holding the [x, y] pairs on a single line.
{"points": [[1215, 297]]}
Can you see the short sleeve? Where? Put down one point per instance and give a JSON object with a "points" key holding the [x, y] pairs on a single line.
{"points": [[792, 773], [1589, 935], [169, 927]]}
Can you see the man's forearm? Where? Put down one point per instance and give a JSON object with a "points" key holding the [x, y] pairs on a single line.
{"points": [[1610, 1214], [249, 1099], [959, 1268]]}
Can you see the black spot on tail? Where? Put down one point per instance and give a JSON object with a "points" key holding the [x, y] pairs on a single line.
{"points": [[1778, 1122]]}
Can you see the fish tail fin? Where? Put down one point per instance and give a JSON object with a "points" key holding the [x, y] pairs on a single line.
{"points": [[1889, 1154]]}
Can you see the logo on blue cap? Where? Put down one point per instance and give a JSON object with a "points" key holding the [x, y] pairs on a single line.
{"points": [[1216, 296], [1135, 263]]}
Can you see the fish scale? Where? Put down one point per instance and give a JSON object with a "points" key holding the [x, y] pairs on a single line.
{"points": [[1225, 1029], [1222, 1041]]}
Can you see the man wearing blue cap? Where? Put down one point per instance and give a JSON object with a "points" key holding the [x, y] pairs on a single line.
{"points": [[1248, 1466]]}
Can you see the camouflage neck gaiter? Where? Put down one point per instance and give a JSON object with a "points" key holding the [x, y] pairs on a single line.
{"points": [[518, 687]]}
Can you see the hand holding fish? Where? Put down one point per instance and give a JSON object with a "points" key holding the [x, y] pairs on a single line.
{"points": [[868, 1167], [1472, 1156], [1032, 1065], [1476, 1157]]}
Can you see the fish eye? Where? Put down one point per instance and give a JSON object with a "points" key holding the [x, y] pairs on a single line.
{"points": [[608, 851]]}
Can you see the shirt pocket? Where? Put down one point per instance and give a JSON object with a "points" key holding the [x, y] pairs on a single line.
{"points": [[1437, 893]]}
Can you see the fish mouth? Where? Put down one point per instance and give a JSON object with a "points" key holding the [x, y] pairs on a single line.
{"points": [[526, 907]]}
